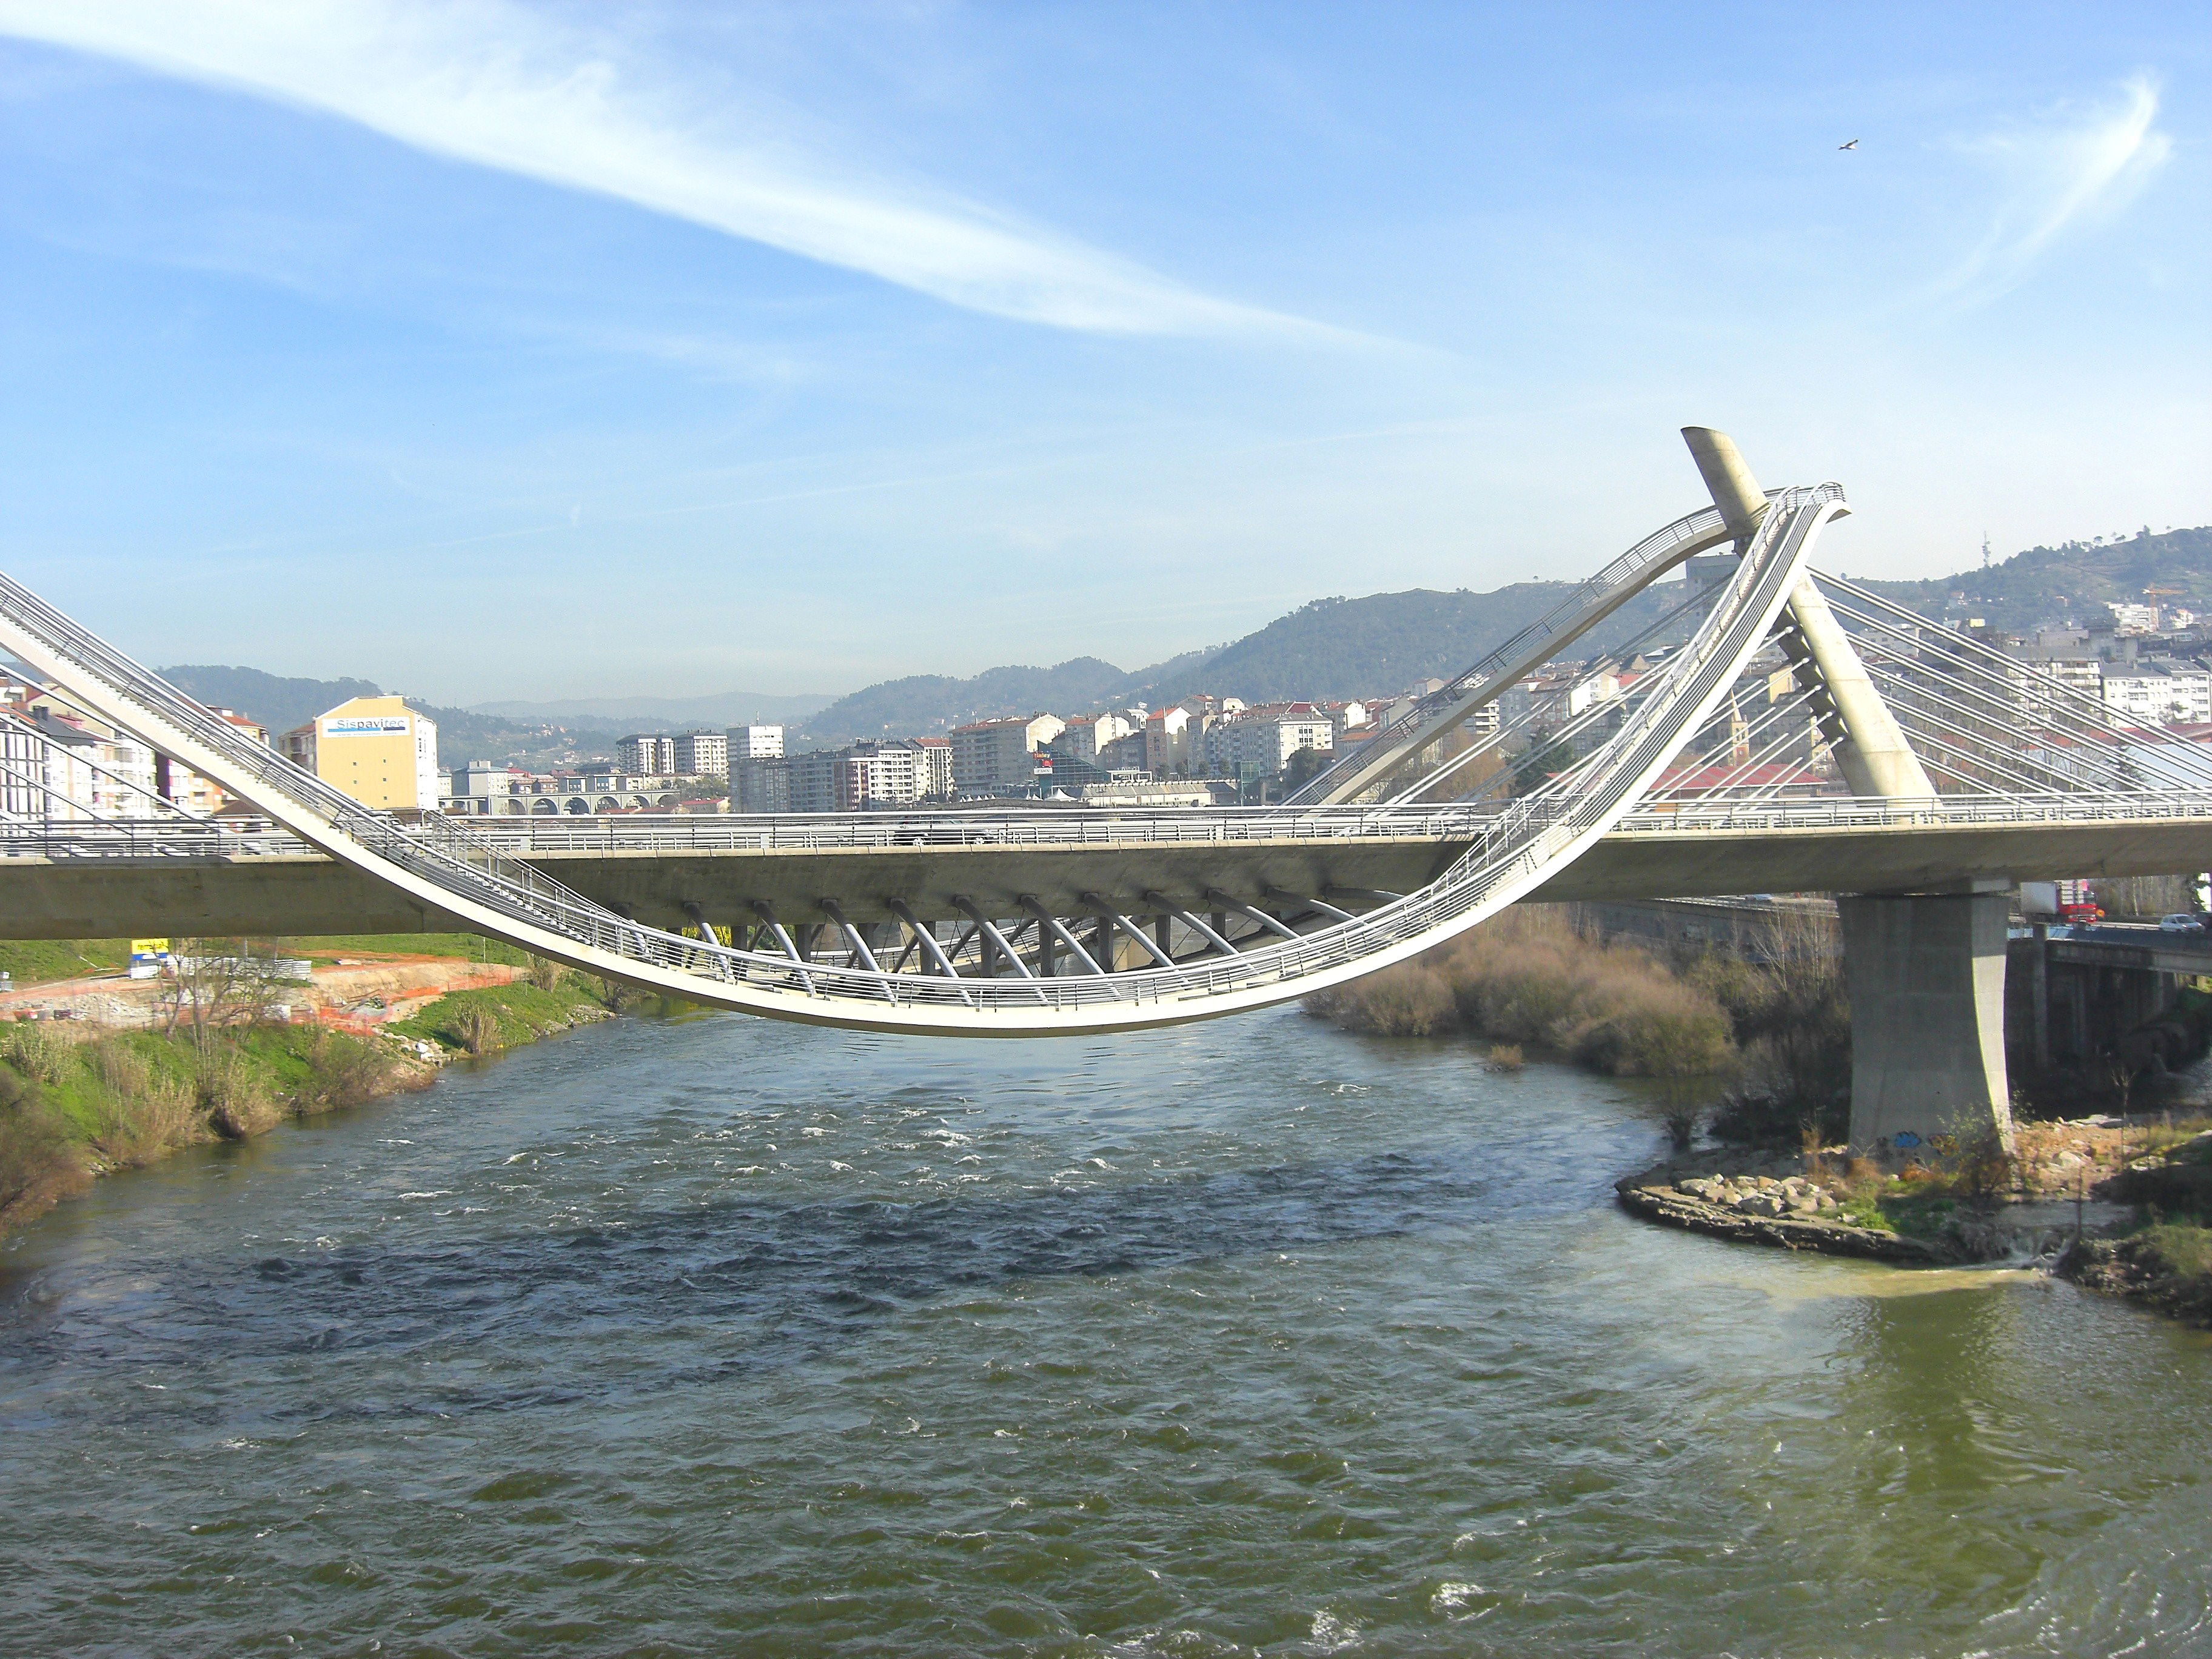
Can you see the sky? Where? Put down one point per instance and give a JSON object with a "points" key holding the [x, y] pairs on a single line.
{"points": [[488, 350]]}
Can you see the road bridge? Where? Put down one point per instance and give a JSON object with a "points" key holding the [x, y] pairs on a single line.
{"points": [[1808, 735], [158, 878]]}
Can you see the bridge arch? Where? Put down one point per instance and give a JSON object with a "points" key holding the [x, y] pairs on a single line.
{"points": [[446, 865]]}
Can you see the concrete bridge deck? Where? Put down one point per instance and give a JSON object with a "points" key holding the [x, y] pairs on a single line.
{"points": [[658, 870]]}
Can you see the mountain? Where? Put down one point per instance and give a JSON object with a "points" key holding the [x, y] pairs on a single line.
{"points": [[2076, 579], [279, 704], [656, 714], [1333, 648], [921, 704], [1340, 648]]}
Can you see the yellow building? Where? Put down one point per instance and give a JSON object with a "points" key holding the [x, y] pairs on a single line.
{"points": [[377, 750]]}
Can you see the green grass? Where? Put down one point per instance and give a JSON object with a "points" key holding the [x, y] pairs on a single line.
{"points": [[41, 961], [514, 1013], [2181, 1247], [1863, 1210]]}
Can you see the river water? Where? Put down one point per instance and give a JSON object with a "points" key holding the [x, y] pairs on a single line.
{"points": [[710, 1335]]}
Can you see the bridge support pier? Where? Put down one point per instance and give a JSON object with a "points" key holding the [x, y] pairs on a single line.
{"points": [[1927, 975]]}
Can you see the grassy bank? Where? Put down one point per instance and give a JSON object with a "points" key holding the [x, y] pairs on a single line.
{"points": [[77, 1104], [2165, 1260], [506, 1016], [77, 1101]]}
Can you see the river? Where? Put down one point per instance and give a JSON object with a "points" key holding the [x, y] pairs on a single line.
{"points": [[707, 1335]]}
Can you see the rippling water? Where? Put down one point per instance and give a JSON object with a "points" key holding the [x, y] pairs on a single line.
{"points": [[711, 1335]]}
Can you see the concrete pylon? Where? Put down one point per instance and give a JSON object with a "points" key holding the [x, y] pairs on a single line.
{"points": [[1870, 747], [1926, 970]]}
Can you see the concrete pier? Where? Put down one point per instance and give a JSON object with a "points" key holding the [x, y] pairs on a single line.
{"points": [[1927, 975]]}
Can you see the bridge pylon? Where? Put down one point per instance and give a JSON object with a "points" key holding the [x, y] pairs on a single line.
{"points": [[1926, 970]]}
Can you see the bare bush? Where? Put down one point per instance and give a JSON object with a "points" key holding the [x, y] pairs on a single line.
{"points": [[236, 1099], [1526, 977], [476, 1030], [545, 974], [1506, 1057]]}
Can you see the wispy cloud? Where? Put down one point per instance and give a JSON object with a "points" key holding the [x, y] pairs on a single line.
{"points": [[2059, 174], [489, 82]]}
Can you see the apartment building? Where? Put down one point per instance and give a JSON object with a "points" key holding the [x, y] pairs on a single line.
{"points": [[1167, 742], [759, 783], [1260, 741], [652, 753], [936, 768], [755, 742], [2159, 693], [702, 755], [866, 775], [996, 756], [1087, 736]]}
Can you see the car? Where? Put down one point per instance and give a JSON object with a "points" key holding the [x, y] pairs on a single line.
{"points": [[2181, 922]]}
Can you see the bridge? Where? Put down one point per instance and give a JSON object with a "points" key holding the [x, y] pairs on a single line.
{"points": [[1806, 735]]}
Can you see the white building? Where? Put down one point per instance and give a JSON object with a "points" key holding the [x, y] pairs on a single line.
{"points": [[2156, 694], [1261, 741], [755, 743], [1167, 742], [702, 754], [992, 757], [1086, 736], [650, 752], [83, 770]]}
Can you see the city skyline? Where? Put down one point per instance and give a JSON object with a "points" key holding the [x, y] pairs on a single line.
{"points": [[543, 351]]}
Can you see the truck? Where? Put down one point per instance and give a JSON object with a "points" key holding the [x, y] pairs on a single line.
{"points": [[2068, 902]]}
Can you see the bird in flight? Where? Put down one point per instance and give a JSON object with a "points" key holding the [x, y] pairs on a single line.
{"points": [[1854, 144]]}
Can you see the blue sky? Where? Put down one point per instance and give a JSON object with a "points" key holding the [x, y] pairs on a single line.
{"points": [[493, 350]]}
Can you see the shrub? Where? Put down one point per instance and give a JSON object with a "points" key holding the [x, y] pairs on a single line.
{"points": [[1406, 1000], [476, 1029], [235, 1098], [342, 1071], [2178, 1247], [545, 974], [1506, 1057], [1681, 1122], [1526, 977], [36, 1049], [38, 1164]]}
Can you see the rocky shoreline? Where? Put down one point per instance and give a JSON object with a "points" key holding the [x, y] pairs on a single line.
{"points": [[1788, 1211], [2098, 1201]]}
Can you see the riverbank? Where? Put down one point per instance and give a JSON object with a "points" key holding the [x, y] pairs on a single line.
{"points": [[1771, 1039], [2115, 1207], [82, 1096]]}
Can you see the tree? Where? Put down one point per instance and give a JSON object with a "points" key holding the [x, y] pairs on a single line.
{"points": [[215, 984], [1303, 766], [1546, 754]]}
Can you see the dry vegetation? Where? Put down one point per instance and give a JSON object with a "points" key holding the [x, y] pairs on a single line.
{"points": [[1528, 979], [1778, 1032]]}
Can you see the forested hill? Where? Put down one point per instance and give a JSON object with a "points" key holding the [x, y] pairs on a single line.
{"points": [[278, 703], [922, 704], [1383, 643], [2076, 579], [281, 704]]}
